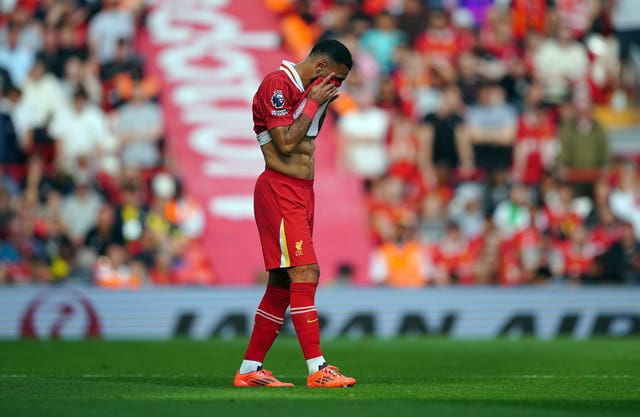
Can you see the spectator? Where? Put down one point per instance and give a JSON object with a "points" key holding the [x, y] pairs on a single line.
{"points": [[68, 44], [625, 17], [536, 147], [342, 278], [400, 262], [601, 194], [41, 96], [114, 272], [492, 126], [80, 210], [578, 255], [111, 24], [362, 136], [585, 147], [625, 198], [454, 258], [29, 30], [336, 21], [83, 140], [466, 209], [105, 232], [560, 215], [468, 76], [10, 149], [59, 249], [178, 208], [439, 43], [512, 215], [416, 83], [50, 53], [131, 215], [445, 138], [366, 75], [163, 270], [139, 128], [16, 59], [124, 61], [382, 40], [560, 63], [433, 223], [622, 260], [77, 74], [413, 19], [606, 231], [387, 205], [523, 255]]}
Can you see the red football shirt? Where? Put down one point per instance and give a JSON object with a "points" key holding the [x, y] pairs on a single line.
{"points": [[278, 98]]}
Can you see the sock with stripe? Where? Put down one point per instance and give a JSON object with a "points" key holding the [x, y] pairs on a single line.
{"points": [[268, 321], [305, 319]]}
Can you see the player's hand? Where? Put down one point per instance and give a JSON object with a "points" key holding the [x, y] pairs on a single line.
{"points": [[324, 90]]}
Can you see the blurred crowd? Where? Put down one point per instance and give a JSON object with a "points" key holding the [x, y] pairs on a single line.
{"points": [[87, 190], [480, 131]]}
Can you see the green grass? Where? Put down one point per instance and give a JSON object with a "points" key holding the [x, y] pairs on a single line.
{"points": [[409, 377]]}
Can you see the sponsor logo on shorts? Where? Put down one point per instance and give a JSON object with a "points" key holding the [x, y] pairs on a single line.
{"points": [[299, 248]]}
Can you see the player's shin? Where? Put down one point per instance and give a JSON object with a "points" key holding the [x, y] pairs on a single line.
{"points": [[305, 320], [268, 321]]}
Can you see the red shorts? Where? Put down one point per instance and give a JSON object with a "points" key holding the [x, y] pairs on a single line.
{"points": [[283, 208]]}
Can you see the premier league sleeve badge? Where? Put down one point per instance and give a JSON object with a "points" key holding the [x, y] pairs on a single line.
{"points": [[278, 102]]}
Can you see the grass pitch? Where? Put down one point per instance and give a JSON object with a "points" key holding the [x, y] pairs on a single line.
{"points": [[406, 377]]}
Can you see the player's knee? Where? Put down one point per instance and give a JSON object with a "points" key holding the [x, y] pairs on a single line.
{"points": [[304, 273]]}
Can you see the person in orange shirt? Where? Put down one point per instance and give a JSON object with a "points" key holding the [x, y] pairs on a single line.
{"points": [[401, 262], [113, 272]]}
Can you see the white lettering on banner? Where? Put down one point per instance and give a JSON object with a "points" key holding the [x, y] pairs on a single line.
{"points": [[232, 207], [203, 55], [205, 20], [201, 103], [209, 141]]}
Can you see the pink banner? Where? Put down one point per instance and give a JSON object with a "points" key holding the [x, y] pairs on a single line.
{"points": [[211, 56]]}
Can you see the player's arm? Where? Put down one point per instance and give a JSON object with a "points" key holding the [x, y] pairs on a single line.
{"points": [[287, 138]]}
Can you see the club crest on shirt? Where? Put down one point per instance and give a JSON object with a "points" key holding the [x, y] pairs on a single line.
{"points": [[277, 101]]}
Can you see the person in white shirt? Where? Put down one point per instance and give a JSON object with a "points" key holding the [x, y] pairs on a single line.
{"points": [[107, 27], [624, 199], [42, 95], [560, 63], [362, 134], [83, 138]]}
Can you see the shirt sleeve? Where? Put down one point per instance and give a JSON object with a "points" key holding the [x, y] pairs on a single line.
{"points": [[275, 103]]}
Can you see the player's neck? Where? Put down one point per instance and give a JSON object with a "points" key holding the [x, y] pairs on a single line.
{"points": [[305, 71]]}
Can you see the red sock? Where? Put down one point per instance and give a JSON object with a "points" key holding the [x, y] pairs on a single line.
{"points": [[268, 320], [305, 318]]}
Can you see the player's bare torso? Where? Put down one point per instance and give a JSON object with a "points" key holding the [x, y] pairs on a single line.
{"points": [[299, 163]]}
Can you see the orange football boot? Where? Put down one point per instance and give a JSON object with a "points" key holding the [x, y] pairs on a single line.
{"points": [[329, 377], [259, 378]]}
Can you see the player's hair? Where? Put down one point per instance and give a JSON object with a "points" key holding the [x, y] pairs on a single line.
{"points": [[334, 50]]}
